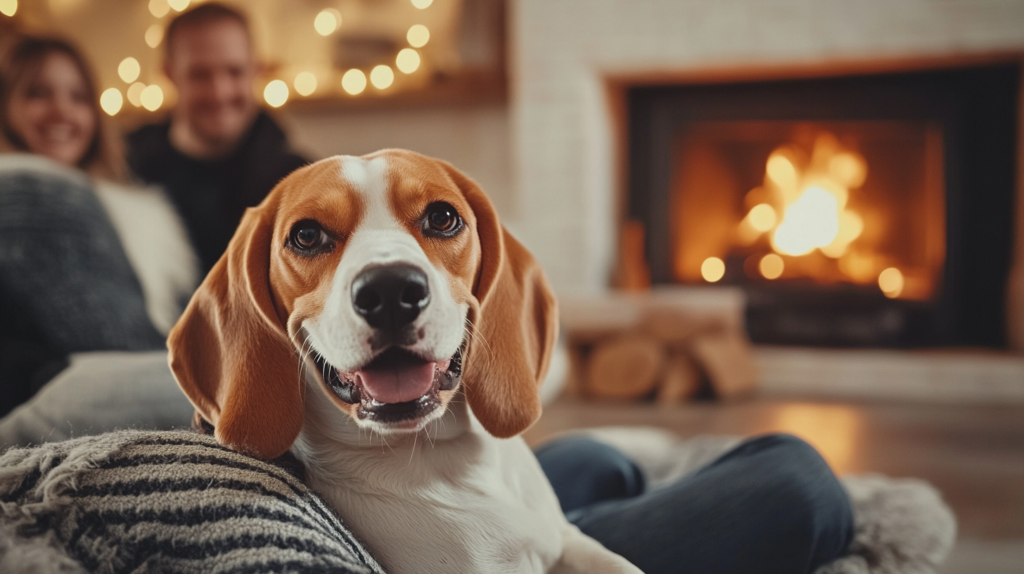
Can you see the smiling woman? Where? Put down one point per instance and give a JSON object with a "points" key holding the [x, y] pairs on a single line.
{"points": [[49, 106]]}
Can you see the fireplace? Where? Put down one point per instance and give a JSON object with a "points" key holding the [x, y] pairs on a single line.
{"points": [[861, 210]]}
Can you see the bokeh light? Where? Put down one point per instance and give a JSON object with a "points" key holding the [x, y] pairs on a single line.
{"points": [[129, 70], [305, 83], [327, 21], [782, 171], [382, 77], [891, 282], [712, 270], [159, 8], [762, 217], [276, 93], [178, 5], [111, 101], [154, 35], [354, 81], [408, 60], [418, 36], [135, 93], [422, 4], [8, 7], [152, 97], [772, 266]]}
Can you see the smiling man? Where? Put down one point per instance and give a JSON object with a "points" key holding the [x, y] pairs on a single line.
{"points": [[219, 153]]}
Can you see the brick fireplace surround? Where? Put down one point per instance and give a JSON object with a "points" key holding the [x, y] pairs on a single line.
{"points": [[569, 56]]}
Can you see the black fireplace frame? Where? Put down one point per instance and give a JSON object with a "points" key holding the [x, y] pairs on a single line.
{"points": [[977, 107]]}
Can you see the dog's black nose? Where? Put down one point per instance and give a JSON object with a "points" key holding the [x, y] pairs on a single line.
{"points": [[390, 297]]}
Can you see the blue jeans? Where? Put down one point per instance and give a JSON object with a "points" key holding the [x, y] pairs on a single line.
{"points": [[769, 505]]}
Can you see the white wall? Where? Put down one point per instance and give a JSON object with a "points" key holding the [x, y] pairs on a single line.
{"points": [[562, 51], [474, 138]]}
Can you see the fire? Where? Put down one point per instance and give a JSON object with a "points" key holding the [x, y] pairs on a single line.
{"points": [[798, 206], [890, 282], [810, 222], [812, 200], [804, 208]]}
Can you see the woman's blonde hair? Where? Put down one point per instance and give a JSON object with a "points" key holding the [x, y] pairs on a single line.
{"points": [[20, 65]]}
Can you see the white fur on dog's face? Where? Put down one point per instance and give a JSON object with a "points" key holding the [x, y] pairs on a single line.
{"points": [[339, 334], [343, 339]]}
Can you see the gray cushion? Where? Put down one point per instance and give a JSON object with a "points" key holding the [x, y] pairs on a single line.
{"points": [[97, 393]]}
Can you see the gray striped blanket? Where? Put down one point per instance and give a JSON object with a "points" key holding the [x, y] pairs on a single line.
{"points": [[135, 501]]}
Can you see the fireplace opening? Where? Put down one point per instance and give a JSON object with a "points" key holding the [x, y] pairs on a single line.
{"points": [[869, 210]]}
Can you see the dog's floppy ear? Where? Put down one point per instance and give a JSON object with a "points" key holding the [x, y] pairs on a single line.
{"points": [[230, 352], [515, 327]]}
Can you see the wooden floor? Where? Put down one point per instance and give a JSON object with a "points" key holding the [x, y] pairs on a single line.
{"points": [[973, 455]]}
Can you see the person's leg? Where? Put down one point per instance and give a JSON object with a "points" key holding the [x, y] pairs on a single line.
{"points": [[583, 471], [769, 505]]}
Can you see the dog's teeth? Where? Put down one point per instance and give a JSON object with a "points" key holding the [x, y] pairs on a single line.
{"points": [[376, 403]]}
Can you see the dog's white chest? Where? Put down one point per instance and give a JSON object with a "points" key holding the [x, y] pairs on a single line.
{"points": [[474, 505]]}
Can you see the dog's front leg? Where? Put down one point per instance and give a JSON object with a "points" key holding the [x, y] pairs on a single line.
{"points": [[582, 554]]}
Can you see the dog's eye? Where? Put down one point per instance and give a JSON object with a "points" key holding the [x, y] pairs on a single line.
{"points": [[307, 236], [441, 219]]}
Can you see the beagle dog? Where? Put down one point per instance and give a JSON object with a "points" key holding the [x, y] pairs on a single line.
{"points": [[373, 317]]}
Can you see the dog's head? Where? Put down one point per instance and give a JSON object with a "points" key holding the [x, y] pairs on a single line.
{"points": [[391, 277]]}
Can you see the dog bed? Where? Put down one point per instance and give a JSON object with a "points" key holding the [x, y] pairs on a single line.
{"points": [[135, 501]]}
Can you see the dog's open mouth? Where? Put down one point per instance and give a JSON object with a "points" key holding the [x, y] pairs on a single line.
{"points": [[396, 386]]}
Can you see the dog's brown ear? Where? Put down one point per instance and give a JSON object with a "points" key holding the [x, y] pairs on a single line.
{"points": [[514, 330], [230, 352]]}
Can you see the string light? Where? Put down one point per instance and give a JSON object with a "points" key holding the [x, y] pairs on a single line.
{"points": [[382, 77], [111, 101], [305, 83], [159, 8], [154, 35], [8, 7], [152, 97], [276, 93], [354, 81], [135, 93], [408, 60], [178, 5], [422, 4], [129, 70], [712, 270], [327, 21], [418, 36]]}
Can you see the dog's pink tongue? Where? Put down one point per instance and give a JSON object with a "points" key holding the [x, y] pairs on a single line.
{"points": [[399, 384]]}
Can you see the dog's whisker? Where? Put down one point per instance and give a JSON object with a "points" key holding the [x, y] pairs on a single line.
{"points": [[412, 453], [475, 336]]}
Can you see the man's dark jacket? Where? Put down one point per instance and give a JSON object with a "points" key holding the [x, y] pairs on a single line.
{"points": [[211, 196]]}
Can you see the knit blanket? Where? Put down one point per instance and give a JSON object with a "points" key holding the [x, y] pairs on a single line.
{"points": [[134, 501]]}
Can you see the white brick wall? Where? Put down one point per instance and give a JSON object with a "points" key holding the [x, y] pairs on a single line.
{"points": [[562, 49]]}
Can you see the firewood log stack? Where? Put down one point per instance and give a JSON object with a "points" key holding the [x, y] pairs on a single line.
{"points": [[668, 355]]}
